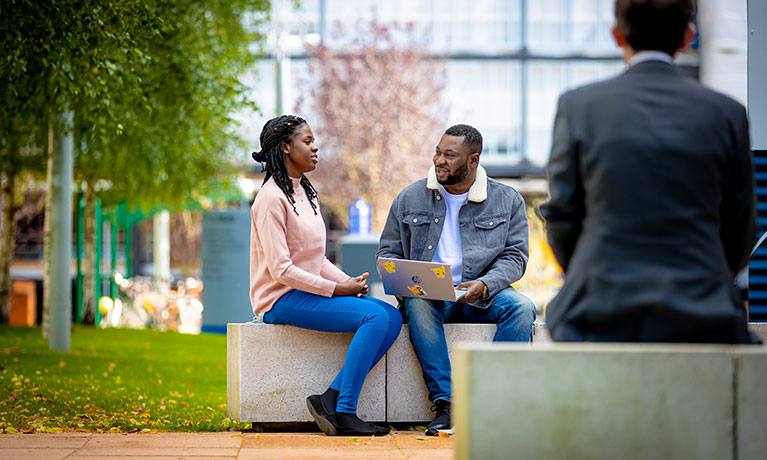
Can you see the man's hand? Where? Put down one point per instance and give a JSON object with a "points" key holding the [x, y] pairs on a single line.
{"points": [[474, 290], [356, 285]]}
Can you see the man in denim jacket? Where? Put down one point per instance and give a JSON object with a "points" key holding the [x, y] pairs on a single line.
{"points": [[459, 217]]}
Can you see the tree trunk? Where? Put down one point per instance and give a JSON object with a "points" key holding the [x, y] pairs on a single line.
{"points": [[7, 231], [89, 256], [48, 234]]}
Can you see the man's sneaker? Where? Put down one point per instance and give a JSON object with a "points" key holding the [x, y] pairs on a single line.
{"points": [[441, 419]]}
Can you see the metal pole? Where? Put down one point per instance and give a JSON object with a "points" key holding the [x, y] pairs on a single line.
{"points": [[128, 250], [80, 246], [114, 229], [278, 61], [323, 20], [523, 82], [61, 232], [97, 263]]}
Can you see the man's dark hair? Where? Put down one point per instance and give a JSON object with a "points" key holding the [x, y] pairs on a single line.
{"points": [[470, 135], [654, 24]]}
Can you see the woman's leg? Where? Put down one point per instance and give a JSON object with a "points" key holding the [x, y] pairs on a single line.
{"points": [[395, 324], [370, 321]]}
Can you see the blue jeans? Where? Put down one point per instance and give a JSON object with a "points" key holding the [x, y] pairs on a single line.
{"points": [[376, 325], [511, 311]]}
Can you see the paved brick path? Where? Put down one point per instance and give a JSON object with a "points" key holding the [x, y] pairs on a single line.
{"points": [[230, 445]]}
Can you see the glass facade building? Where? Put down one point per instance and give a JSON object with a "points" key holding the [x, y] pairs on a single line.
{"points": [[505, 61]]}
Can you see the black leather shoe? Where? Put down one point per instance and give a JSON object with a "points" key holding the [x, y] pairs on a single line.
{"points": [[441, 419], [324, 419]]}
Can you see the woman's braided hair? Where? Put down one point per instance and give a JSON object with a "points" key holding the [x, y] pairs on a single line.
{"points": [[276, 132]]}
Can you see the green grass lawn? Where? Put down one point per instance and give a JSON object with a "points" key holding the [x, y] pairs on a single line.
{"points": [[113, 380]]}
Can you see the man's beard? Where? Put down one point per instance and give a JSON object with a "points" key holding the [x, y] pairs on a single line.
{"points": [[459, 176]]}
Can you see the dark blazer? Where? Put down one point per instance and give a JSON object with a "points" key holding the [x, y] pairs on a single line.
{"points": [[651, 212]]}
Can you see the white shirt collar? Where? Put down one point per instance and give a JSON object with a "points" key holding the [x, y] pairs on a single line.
{"points": [[650, 55], [453, 195]]}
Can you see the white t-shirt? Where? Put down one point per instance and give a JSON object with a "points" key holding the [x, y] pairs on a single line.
{"points": [[449, 250]]}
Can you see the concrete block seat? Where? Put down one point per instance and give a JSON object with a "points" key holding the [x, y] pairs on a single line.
{"points": [[608, 401], [272, 369]]}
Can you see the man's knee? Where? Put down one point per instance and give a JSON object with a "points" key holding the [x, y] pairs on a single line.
{"points": [[419, 310], [515, 304]]}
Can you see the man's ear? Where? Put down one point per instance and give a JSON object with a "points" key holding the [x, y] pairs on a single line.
{"points": [[689, 35], [474, 159], [620, 40]]}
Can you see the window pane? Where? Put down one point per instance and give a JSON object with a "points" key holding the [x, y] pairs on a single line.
{"points": [[487, 95], [261, 82], [451, 26], [559, 26], [546, 81]]}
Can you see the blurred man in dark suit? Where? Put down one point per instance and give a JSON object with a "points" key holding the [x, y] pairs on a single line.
{"points": [[652, 198]]}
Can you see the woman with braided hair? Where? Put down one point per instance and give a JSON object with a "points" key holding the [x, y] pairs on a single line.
{"points": [[292, 282]]}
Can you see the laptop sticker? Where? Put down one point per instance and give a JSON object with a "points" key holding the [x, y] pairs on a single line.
{"points": [[417, 290], [416, 279], [440, 272], [388, 266]]}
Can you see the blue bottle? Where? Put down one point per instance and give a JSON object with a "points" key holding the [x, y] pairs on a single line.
{"points": [[359, 218]]}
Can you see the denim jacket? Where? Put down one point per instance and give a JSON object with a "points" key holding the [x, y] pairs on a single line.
{"points": [[492, 221]]}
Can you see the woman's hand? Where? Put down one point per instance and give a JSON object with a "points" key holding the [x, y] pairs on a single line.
{"points": [[356, 285]]}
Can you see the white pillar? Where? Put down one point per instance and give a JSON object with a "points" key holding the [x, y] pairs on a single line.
{"points": [[161, 247], [723, 35], [757, 73]]}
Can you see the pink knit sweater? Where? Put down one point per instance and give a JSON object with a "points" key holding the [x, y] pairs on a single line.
{"points": [[287, 251]]}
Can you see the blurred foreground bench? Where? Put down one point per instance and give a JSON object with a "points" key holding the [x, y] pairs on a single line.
{"points": [[272, 369], [610, 401]]}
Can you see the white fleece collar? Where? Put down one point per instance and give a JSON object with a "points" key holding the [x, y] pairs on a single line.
{"points": [[477, 191]]}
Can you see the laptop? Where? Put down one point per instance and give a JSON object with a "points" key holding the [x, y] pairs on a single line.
{"points": [[415, 278]]}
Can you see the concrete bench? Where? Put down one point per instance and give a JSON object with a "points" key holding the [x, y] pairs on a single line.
{"points": [[272, 369], [608, 401]]}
